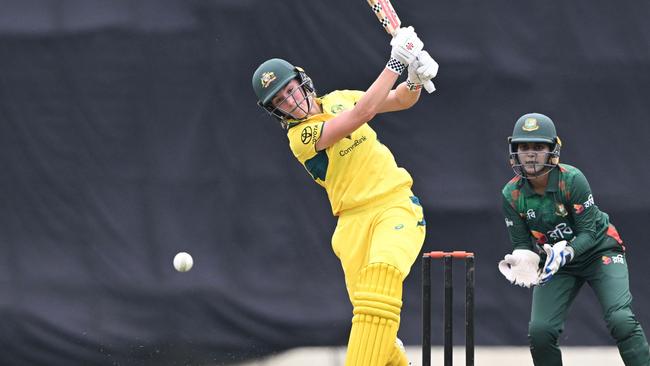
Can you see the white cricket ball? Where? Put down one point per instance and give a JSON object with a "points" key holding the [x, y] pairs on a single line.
{"points": [[183, 262]]}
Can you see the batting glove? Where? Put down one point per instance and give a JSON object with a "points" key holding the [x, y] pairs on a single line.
{"points": [[413, 81], [405, 48], [428, 68], [556, 256], [521, 267], [423, 69]]}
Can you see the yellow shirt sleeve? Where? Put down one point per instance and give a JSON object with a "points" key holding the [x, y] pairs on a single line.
{"points": [[340, 100], [303, 138]]}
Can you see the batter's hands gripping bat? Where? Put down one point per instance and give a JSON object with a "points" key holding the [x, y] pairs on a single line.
{"points": [[391, 23]]}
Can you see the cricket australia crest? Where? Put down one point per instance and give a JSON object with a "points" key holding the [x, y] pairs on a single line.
{"points": [[267, 78]]}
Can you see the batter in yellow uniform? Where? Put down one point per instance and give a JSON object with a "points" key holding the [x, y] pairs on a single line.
{"points": [[381, 228]]}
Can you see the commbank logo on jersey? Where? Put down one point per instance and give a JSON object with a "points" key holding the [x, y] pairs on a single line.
{"points": [[530, 124], [267, 78], [306, 135], [356, 143]]}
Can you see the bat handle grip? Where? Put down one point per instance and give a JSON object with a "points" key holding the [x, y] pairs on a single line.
{"points": [[429, 87]]}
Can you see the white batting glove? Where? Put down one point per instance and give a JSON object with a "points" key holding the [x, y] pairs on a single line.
{"points": [[556, 256], [428, 68], [405, 48], [413, 81], [423, 69], [521, 267]]}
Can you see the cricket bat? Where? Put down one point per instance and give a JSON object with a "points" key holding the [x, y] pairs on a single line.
{"points": [[388, 18]]}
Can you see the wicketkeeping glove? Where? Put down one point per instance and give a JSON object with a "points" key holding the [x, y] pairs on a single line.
{"points": [[521, 267], [556, 256]]}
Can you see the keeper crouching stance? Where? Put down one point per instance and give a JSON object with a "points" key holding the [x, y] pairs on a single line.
{"points": [[381, 228], [550, 212]]}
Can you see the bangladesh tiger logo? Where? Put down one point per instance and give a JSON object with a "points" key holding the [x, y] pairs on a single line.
{"points": [[530, 124]]}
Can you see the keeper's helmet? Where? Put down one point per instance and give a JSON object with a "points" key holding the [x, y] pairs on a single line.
{"points": [[534, 127], [273, 75]]}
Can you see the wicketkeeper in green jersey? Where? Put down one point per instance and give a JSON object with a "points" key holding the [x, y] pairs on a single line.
{"points": [[561, 240], [381, 227]]}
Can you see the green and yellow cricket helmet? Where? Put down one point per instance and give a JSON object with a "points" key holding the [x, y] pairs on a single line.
{"points": [[270, 77]]}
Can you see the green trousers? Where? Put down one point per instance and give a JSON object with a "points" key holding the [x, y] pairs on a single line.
{"points": [[607, 275]]}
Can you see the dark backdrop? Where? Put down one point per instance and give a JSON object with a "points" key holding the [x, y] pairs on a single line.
{"points": [[129, 132]]}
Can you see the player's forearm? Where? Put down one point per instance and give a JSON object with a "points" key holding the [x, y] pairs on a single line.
{"points": [[407, 98], [370, 104], [399, 99], [517, 229], [583, 242], [365, 109]]}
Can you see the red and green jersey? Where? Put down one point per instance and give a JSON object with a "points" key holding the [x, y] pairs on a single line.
{"points": [[566, 211]]}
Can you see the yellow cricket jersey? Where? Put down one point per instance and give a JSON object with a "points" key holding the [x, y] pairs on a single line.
{"points": [[354, 171]]}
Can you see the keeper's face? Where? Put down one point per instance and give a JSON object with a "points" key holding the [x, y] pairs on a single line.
{"points": [[291, 100], [533, 156]]}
